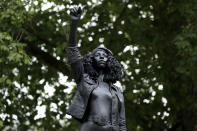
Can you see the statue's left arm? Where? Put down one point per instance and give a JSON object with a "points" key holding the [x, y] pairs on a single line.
{"points": [[122, 122]]}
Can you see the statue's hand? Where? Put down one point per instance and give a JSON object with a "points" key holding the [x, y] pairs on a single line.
{"points": [[75, 13]]}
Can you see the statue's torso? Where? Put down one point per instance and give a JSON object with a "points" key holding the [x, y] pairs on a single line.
{"points": [[100, 101], [99, 104]]}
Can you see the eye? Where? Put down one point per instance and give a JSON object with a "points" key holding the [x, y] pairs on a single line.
{"points": [[105, 55], [97, 54]]}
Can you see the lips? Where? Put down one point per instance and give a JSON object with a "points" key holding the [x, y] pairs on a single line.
{"points": [[101, 62]]}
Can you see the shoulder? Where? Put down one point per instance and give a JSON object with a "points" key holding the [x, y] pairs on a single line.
{"points": [[119, 89], [86, 78]]}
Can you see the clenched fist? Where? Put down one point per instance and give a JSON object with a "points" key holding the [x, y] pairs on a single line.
{"points": [[75, 13]]}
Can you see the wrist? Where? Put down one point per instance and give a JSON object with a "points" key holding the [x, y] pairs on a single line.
{"points": [[74, 20], [74, 23]]}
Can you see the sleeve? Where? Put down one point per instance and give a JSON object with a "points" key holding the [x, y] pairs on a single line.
{"points": [[74, 56], [122, 120], [75, 60]]}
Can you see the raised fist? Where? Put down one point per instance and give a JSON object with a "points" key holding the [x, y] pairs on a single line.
{"points": [[75, 13]]}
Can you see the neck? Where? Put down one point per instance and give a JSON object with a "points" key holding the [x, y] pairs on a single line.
{"points": [[101, 72], [101, 75]]}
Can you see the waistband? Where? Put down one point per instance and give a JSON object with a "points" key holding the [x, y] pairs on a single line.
{"points": [[99, 120], [104, 122]]}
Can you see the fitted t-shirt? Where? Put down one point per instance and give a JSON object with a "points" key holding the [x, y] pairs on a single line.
{"points": [[103, 102]]}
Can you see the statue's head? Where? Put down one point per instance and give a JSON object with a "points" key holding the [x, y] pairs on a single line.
{"points": [[102, 58]]}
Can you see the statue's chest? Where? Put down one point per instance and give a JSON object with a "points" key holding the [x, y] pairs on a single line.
{"points": [[102, 91]]}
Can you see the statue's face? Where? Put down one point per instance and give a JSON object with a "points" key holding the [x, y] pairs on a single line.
{"points": [[101, 58]]}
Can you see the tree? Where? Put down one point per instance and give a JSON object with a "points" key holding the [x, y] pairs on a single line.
{"points": [[155, 41]]}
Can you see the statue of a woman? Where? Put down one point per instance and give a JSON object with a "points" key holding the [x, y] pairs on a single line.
{"points": [[97, 104]]}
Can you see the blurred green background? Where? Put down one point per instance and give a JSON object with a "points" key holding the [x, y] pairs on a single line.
{"points": [[154, 40]]}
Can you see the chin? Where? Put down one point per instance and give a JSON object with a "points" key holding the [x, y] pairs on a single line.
{"points": [[101, 66]]}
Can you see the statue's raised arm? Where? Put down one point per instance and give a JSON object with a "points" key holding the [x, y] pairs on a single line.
{"points": [[74, 57], [75, 15]]}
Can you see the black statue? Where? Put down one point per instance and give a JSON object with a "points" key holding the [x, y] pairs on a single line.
{"points": [[97, 104]]}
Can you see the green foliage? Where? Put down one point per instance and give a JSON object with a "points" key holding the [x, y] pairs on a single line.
{"points": [[155, 41]]}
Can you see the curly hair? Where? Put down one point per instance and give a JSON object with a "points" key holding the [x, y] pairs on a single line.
{"points": [[113, 71]]}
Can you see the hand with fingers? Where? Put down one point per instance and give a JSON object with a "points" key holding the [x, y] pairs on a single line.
{"points": [[75, 13]]}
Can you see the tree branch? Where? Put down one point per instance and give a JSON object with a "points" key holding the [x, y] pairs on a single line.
{"points": [[48, 59]]}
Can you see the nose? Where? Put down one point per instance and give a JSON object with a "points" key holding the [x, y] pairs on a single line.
{"points": [[101, 57]]}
